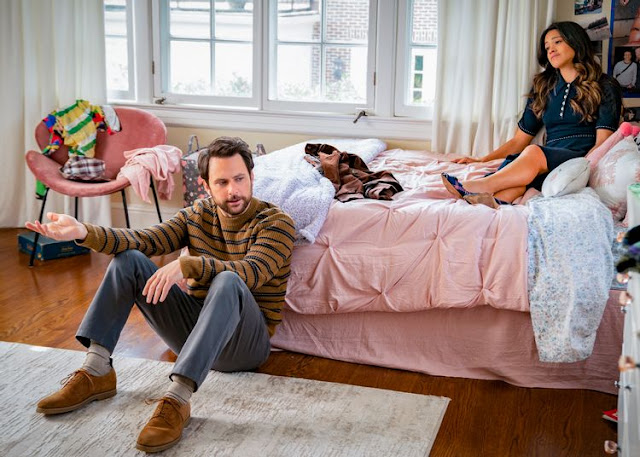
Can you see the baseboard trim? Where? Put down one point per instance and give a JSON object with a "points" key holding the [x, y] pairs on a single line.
{"points": [[140, 215]]}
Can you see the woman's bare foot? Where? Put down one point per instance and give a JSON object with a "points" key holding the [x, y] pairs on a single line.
{"points": [[483, 198], [474, 186]]}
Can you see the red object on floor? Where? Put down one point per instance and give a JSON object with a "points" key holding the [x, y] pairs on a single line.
{"points": [[611, 415]]}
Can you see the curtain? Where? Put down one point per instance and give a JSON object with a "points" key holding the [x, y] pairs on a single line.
{"points": [[56, 56], [486, 61]]}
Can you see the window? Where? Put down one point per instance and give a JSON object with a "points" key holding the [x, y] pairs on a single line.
{"points": [[207, 51], [118, 49], [312, 63], [321, 55], [417, 58]]}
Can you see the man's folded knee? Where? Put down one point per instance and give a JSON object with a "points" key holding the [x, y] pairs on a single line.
{"points": [[227, 278], [129, 254], [129, 257]]}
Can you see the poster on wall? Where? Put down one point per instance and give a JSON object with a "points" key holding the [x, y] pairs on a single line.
{"points": [[587, 6], [631, 114], [624, 45]]}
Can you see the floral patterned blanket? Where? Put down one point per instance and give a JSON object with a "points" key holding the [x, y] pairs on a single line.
{"points": [[570, 273]]}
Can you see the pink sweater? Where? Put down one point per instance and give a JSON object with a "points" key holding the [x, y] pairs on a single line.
{"points": [[159, 161]]}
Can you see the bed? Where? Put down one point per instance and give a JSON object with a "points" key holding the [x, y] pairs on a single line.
{"points": [[431, 284]]}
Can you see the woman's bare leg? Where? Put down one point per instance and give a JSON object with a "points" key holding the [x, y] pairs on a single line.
{"points": [[509, 195], [522, 171]]}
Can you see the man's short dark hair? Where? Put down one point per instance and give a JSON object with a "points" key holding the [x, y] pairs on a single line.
{"points": [[224, 146]]}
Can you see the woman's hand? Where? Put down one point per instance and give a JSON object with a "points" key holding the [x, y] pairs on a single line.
{"points": [[466, 160]]}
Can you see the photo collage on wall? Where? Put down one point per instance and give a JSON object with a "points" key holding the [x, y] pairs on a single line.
{"points": [[624, 46], [597, 27]]}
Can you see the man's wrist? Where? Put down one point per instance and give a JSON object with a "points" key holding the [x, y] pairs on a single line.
{"points": [[86, 233]]}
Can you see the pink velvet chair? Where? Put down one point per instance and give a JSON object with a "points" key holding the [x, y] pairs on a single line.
{"points": [[139, 129]]}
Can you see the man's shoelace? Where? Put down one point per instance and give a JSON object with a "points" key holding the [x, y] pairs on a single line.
{"points": [[69, 377]]}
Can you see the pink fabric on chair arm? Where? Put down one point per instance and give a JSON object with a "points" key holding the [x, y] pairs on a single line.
{"points": [[598, 153]]}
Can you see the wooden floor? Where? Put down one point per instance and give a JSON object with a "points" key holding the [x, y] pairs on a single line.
{"points": [[44, 305]]}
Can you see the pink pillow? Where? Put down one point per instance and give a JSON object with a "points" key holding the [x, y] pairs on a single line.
{"points": [[626, 129], [613, 173]]}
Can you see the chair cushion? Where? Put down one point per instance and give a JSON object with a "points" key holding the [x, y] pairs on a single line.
{"points": [[48, 172]]}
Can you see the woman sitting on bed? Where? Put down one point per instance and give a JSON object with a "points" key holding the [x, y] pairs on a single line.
{"points": [[578, 104]]}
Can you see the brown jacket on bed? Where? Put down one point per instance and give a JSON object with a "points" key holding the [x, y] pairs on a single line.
{"points": [[350, 176]]}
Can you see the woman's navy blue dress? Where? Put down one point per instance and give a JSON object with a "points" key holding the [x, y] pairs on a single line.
{"points": [[567, 137]]}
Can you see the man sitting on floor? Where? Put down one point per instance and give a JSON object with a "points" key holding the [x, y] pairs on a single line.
{"points": [[237, 270]]}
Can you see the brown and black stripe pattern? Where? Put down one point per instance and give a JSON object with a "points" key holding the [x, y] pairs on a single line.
{"points": [[256, 245]]}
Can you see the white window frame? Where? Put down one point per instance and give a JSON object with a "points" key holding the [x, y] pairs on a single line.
{"points": [[404, 66], [270, 51], [161, 59], [127, 94], [382, 121]]}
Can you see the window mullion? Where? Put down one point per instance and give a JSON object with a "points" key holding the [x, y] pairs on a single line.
{"points": [[271, 55], [212, 47], [402, 57], [142, 50], [260, 53], [323, 50], [161, 48], [384, 41]]}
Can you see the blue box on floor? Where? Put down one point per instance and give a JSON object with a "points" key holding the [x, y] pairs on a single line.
{"points": [[47, 248]]}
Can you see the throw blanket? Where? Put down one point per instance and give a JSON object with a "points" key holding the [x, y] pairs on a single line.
{"points": [[350, 176], [570, 273], [287, 180], [160, 162]]}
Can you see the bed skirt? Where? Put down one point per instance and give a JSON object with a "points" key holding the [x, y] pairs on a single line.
{"points": [[477, 343]]}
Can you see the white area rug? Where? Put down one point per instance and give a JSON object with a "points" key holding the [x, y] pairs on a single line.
{"points": [[242, 414]]}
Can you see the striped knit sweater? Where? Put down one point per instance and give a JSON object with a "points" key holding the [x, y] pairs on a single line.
{"points": [[256, 245]]}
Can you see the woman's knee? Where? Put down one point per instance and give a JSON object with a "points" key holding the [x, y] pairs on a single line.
{"points": [[534, 153]]}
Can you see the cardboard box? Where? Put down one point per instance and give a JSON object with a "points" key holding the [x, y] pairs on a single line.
{"points": [[47, 248]]}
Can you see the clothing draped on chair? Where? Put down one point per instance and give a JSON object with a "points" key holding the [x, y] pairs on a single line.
{"points": [[56, 56], [486, 60], [159, 162]]}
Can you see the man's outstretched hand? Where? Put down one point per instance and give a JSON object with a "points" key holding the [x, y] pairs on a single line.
{"points": [[62, 227]]}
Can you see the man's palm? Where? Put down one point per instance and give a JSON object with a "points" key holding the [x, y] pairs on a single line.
{"points": [[62, 227]]}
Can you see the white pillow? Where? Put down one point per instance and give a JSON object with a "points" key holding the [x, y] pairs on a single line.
{"points": [[567, 178], [613, 173]]}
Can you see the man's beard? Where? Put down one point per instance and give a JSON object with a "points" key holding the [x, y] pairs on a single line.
{"points": [[237, 210]]}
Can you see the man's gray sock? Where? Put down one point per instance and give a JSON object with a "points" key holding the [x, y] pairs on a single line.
{"points": [[180, 389], [98, 360]]}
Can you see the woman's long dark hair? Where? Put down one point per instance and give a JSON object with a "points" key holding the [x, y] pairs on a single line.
{"points": [[588, 90]]}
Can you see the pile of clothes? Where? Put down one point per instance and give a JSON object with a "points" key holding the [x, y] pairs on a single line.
{"points": [[76, 126]]}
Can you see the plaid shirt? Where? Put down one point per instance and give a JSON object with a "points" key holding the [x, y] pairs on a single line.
{"points": [[81, 168]]}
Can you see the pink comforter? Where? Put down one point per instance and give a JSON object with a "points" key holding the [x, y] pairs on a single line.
{"points": [[421, 250]]}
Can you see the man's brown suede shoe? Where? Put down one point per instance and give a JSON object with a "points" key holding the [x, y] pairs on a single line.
{"points": [[164, 429], [79, 389]]}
